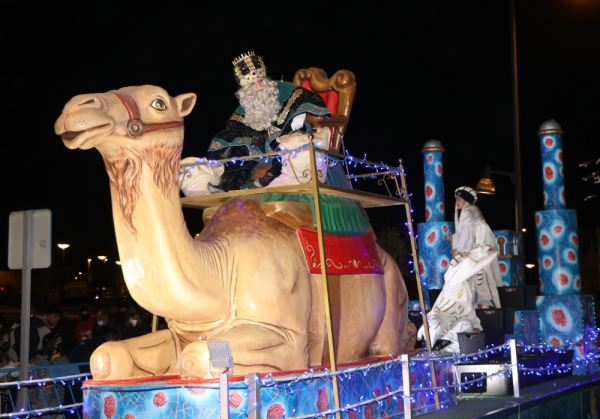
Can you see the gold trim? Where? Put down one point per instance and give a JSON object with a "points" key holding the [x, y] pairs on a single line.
{"points": [[288, 105]]}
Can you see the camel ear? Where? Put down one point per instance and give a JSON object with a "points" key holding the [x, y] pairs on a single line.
{"points": [[185, 103]]}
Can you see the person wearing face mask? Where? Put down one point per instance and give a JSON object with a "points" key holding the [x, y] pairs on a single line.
{"points": [[135, 324], [57, 323], [85, 325]]}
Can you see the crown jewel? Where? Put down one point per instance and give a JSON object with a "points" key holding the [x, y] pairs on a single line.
{"points": [[248, 67]]}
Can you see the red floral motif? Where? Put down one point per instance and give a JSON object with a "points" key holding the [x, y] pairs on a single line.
{"points": [[427, 214], [431, 237], [545, 240], [547, 263], [549, 141], [376, 392], [444, 263], [421, 268], [571, 255], [276, 411], [559, 317], [578, 283], [558, 229], [442, 208], [503, 267], [129, 416], [429, 158], [560, 157], [352, 414], [109, 406], [549, 173], [428, 191], [537, 219], [159, 399], [445, 228], [555, 342], [369, 411], [439, 169], [322, 400], [235, 399], [563, 280], [575, 239]]}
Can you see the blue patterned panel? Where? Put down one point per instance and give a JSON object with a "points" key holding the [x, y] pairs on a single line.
{"points": [[433, 168], [558, 251], [512, 271], [526, 327], [553, 171], [434, 251]]}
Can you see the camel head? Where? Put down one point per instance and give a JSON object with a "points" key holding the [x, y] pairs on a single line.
{"points": [[132, 116], [132, 128]]}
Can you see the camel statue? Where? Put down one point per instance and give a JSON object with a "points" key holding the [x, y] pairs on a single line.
{"points": [[244, 279]]}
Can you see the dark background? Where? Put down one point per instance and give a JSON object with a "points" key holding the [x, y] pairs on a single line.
{"points": [[424, 70]]}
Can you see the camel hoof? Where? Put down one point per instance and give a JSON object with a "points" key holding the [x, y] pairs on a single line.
{"points": [[195, 361], [111, 360]]}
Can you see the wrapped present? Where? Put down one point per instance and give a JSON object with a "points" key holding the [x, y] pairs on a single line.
{"points": [[512, 270], [509, 242], [526, 327]]}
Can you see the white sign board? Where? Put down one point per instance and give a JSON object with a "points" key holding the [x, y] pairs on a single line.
{"points": [[41, 226]]}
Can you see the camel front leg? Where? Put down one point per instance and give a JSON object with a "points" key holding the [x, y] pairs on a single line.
{"points": [[254, 348], [148, 355], [397, 333]]}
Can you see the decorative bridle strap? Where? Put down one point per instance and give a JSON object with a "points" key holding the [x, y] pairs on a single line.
{"points": [[135, 125]]}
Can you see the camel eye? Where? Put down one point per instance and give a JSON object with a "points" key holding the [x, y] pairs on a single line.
{"points": [[159, 105]]}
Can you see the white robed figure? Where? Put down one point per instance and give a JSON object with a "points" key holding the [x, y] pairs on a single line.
{"points": [[471, 281]]}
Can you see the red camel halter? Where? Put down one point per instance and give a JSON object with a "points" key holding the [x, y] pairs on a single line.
{"points": [[135, 125]]}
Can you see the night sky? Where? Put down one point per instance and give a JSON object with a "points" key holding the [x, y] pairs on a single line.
{"points": [[427, 70]]}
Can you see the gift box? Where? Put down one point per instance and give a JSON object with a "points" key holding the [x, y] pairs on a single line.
{"points": [[509, 242], [512, 270], [526, 327]]}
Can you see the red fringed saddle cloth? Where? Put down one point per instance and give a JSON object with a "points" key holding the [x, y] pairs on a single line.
{"points": [[346, 255]]}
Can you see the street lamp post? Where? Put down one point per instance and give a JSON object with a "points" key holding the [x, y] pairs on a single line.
{"points": [[63, 247], [516, 125]]}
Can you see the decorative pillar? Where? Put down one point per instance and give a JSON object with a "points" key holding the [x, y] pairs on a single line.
{"points": [[556, 226], [566, 316], [435, 251]]}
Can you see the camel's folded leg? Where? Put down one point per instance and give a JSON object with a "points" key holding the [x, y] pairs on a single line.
{"points": [[147, 355], [396, 333], [254, 348]]}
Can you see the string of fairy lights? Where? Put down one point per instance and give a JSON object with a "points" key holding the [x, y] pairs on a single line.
{"points": [[286, 385]]}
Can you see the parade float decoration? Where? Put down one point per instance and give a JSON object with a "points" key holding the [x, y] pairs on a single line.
{"points": [[435, 251], [566, 316], [252, 278]]}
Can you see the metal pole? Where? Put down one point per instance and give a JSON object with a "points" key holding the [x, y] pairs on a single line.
{"points": [[516, 125], [253, 382], [413, 247], [23, 397], [328, 323], [514, 364], [406, 387], [224, 395]]}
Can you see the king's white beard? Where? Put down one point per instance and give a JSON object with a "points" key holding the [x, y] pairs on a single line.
{"points": [[260, 103]]}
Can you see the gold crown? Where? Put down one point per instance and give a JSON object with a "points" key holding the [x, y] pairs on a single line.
{"points": [[248, 67]]}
